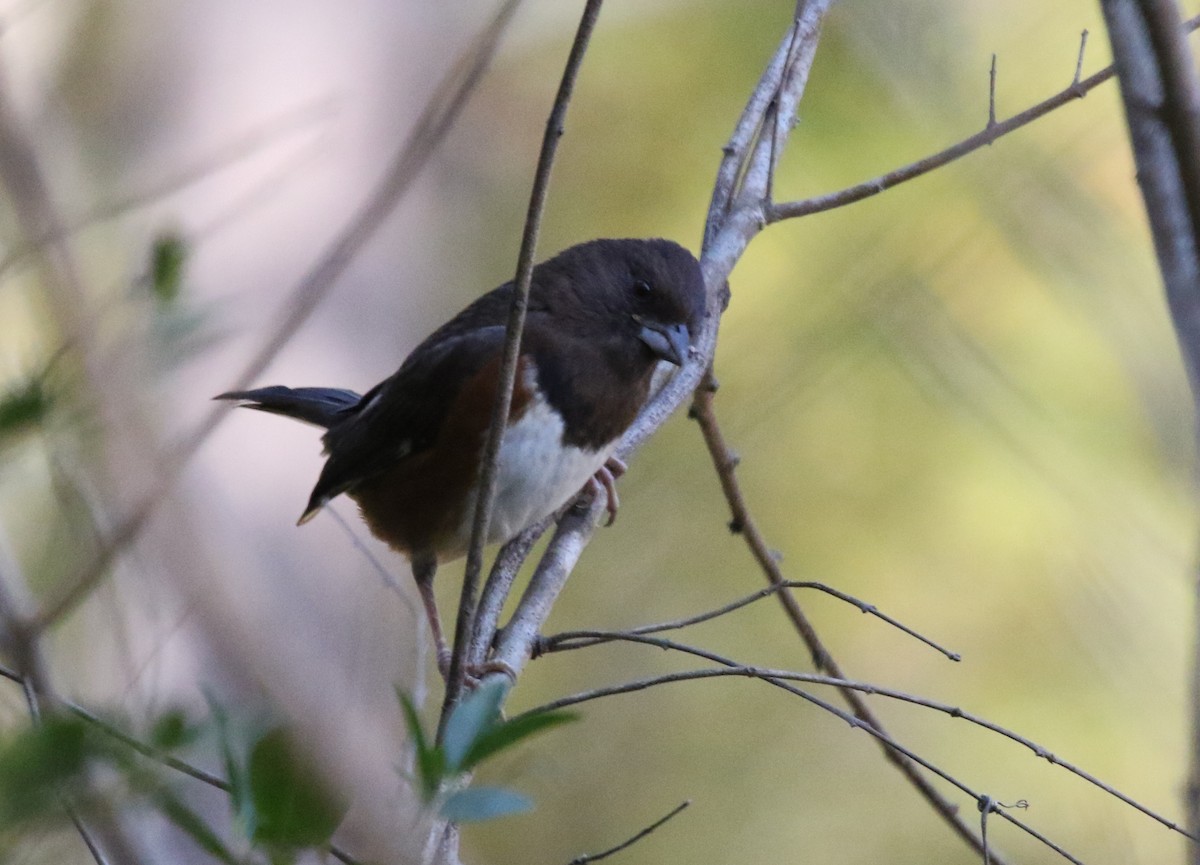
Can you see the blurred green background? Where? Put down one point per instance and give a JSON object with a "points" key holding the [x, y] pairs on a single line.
{"points": [[960, 400]]}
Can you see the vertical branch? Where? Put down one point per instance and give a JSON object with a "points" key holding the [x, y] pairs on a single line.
{"points": [[512, 347], [1162, 100]]}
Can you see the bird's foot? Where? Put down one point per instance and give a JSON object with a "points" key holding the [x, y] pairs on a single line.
{"points": [[605, 479]]}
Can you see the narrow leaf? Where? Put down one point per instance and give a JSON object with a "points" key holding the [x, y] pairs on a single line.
{"points": [[475, 715], [431, 762], [509, 733], [239, 788], [476, 804], [189, 822]]}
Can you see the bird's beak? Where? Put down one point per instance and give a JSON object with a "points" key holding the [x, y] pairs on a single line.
{"points": [[668, 341]]}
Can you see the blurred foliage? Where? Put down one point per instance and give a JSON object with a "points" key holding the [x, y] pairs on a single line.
{"points": [[168, 257], [279, 807], [22, 408]]}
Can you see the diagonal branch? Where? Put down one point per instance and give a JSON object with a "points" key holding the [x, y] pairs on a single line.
{"points": [[743, 521], [991, 133]]}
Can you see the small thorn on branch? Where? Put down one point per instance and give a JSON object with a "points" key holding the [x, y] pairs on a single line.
{"points": [[736, 526], [1075, 82], [992, 95]]}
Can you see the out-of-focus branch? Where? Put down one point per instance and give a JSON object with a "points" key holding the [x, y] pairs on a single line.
{"points": [[440, 113], [263, 135], [1162, 100], [23, 646]]}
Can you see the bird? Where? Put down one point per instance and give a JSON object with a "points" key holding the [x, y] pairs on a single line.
{"points": [[606, 319]]}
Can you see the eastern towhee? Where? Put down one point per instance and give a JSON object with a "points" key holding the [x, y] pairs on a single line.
{"points": [[602, 316]]}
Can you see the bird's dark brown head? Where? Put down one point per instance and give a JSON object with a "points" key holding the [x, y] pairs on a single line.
{"points": [[639, 296]]}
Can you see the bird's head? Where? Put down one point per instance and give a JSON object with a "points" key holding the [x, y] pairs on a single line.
{"points": [[645, 298]]}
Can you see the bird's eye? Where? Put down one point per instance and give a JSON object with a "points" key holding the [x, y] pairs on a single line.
{"points": [[641, 288]]}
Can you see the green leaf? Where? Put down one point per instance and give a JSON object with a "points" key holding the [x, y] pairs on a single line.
{"points": [[431, 762], [38, 765], [187, 820], [293, 805], [239, 784], [171, 730], [476, 804], [24, 406], [168, 258], [508, 733], [474, 715]]}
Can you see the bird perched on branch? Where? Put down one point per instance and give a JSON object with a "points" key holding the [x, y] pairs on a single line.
{"points": [[602, 317]]}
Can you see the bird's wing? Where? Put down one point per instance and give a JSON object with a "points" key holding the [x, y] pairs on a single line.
{"points": [[402, 415]]}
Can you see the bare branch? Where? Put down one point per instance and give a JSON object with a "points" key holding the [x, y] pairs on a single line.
{"points": [[780, 679], [1079, 60], [831, 200], [705, 413], [591, 638], [551, 643], [596, 857]]}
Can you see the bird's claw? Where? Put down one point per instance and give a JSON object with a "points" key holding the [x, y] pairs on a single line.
{"points": [[605, 479]]}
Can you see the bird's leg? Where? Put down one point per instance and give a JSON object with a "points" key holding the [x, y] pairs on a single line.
{"points": [[606, 478], [423, 570]]}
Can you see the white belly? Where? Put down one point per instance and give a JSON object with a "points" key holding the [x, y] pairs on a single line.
{"points": [[537, 474]]}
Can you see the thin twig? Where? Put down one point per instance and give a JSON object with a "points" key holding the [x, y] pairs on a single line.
{"points": [[226, 155], [596, 857], [549, 644], [780, 679], [832, 200], [705, 414], [440, 113], [1079, 60], [992, 95], [583, 639], [512, 344]]}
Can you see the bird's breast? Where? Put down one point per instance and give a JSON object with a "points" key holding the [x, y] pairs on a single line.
{"points": [[425, 504], [537, 472]]}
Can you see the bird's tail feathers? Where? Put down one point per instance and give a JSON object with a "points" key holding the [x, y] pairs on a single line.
{"points": [[320, 406]]}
